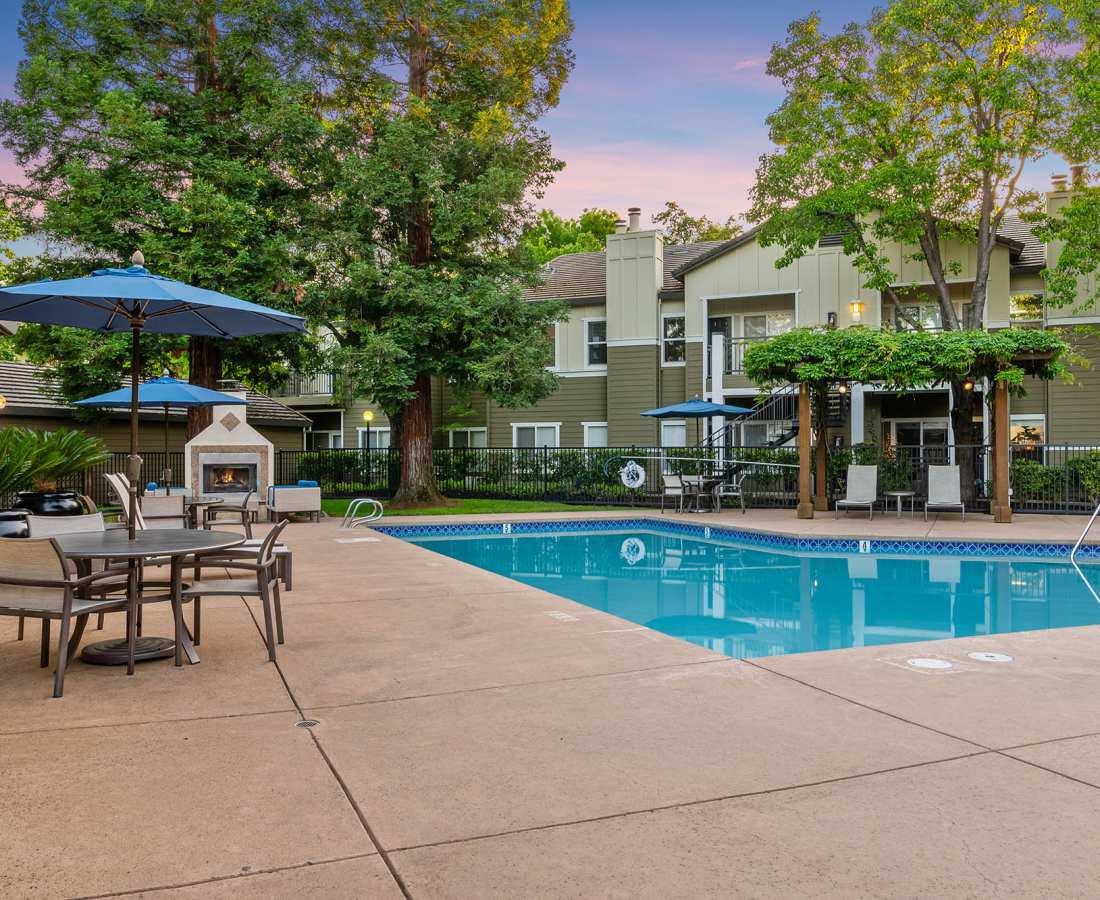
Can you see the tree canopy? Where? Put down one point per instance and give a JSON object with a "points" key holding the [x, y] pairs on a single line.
{"points": [[551, 235], [904, 360], [680, 227]]}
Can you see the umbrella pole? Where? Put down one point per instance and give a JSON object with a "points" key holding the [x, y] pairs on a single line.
{"points": [[167, 470], [134, 462]]}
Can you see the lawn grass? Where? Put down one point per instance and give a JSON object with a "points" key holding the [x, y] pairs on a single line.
{"points": [[471, 507]]}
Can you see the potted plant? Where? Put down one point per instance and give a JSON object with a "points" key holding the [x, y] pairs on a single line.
{"points": [[57, 454], [16, 473]]}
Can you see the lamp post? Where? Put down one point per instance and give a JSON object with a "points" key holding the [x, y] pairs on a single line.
{"points": [[368, 417]]}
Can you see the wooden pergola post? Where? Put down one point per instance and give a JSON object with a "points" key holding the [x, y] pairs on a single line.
{"points": [[805, 462], [1001, 504]]}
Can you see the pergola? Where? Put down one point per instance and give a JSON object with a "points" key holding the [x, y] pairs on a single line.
{"points": [[817, 360]]}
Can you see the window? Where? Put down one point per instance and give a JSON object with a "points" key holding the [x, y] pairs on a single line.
{"points": [[379, 437], [595, 339], [325, 440], [674, 433], [928, 314], [673, 342], [765, 325], [469, 437], [535, 434], [1026, 307], [1028, 429], [595, 434]]}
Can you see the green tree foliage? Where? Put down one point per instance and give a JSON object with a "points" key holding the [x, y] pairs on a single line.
{"points": [[553, 236], [914, 129], [434, 155], [176, 127], [679, 227]]}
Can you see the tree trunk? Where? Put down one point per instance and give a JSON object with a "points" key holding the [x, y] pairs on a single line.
{"points": [[417, 468], [968, 440], [204, 357]]}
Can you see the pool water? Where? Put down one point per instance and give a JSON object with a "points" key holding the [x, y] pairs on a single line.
{"points": [[747, 601]]}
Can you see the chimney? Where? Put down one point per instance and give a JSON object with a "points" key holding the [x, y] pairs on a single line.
{"points": [[635, 216], [1077, 175], [1058, 182], [620, 226]]}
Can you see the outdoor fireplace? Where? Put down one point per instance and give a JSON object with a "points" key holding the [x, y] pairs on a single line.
{"points": [[228, 478]]}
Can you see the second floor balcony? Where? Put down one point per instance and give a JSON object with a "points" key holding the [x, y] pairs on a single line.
{"points": [[319, 384]]}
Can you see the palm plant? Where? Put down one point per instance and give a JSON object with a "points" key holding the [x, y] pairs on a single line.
{"points": [[60, 453], [18, 463]]}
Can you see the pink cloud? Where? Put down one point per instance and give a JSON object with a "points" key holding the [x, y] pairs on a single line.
{"points": [[709, 181]]}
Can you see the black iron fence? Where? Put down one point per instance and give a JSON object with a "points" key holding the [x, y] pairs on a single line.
{"points": [[1044, 477]]}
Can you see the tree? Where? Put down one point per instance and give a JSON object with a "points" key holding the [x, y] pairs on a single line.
{"points": [[178, 128], [434, 156], [553, 236], [914, 129], [681, 228]]}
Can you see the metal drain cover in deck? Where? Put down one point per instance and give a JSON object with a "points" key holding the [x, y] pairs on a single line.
{"points": [[306, 723], [987, 656], [921, 663]]}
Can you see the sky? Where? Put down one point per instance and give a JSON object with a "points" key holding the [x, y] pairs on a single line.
{"points": [[668, 101]]}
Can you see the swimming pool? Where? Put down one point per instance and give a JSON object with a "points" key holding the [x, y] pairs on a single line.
{"points": [[748, 595]]}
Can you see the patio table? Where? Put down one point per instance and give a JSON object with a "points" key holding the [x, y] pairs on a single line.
{"points": [[175, 543], [196, 505]]}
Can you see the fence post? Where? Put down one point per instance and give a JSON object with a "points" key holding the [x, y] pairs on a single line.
{"points": [[1065, 480]]}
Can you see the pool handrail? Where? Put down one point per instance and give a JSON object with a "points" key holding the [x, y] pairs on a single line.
{"points": [[1077, 546], [352, 518]]}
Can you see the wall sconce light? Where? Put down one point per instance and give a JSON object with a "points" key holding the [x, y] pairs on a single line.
{"points": [[842, 388], [3, 401], [856, 309], [968, 385], [830, 319]]}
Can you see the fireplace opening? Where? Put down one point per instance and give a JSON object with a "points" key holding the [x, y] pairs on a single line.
{"points": [[228, 478]]}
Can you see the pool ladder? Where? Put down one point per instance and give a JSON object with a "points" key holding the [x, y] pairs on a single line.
{"points": [[355, 516], [1077, 546]]}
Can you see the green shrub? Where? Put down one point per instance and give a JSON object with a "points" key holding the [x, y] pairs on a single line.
{"points": [[1031, 480]]}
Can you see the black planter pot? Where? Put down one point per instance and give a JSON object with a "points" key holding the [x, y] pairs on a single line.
{"points": [[50, 503], [13, 524]]}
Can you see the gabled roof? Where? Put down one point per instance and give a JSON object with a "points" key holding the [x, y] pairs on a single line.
{"points": [[583, 276], [1028, 252], [30, 389]]}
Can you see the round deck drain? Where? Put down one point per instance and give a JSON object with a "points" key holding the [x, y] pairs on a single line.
{"points": [[929, 663], [986, 656], [306, 723]]}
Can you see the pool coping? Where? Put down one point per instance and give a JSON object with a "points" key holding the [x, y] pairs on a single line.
{"points": [[987, 547]]}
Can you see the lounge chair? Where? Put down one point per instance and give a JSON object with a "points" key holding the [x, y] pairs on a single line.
{"points": [[164, 511], [862, 491], [675, 487], [35, 582], [944, 491], [287, 499]]}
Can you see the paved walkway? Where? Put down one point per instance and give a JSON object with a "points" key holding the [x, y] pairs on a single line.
{"points": [[472, 741]]}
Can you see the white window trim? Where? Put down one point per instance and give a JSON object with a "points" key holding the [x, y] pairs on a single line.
{"points": [[1027, 419], [451, 435], [681, 422], [584, 331], [361, 430], [664, 340], [556, 367], [555, 425], [584, 428]]}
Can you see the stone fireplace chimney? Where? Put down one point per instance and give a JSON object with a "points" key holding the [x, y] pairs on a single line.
{"points": [[229, 458]]}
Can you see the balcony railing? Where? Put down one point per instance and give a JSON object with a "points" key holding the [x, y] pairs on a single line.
{"points": [[299, 385], [735, 353]]}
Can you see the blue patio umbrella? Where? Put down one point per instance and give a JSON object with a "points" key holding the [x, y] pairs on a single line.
{"points": [[696, 409], [169, 393], [134, 299]]}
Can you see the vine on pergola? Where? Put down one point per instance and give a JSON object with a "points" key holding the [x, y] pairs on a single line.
{"points": [[906, 360]]}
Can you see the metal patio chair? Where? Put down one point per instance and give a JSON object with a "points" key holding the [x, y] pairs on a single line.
{"points": [[237, 511], [861, 491], [675, 487], [265, 586], [944, 491], [35, 582], [733, 487]]}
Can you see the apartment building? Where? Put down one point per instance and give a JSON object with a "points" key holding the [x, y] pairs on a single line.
{"points": [[646, 320]]}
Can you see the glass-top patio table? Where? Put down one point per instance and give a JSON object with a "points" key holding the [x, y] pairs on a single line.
{"points": [[174, 543]]}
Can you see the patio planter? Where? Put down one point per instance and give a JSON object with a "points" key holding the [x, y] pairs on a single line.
{"points": [[13, 524], [50, 503]]}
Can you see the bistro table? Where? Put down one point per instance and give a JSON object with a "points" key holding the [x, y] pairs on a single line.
{"points": [[898, 496], [175, 543]]}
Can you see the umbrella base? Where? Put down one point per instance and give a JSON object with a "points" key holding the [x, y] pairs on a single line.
{"points": [[113, 652]]}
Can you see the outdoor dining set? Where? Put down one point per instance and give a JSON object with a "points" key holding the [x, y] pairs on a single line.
{"points": [[72, 567]]}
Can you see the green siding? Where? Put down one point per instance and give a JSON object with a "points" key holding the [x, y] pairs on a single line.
{"points": [[631, 388], [1074, 413], [672, 385], [576, 400]]}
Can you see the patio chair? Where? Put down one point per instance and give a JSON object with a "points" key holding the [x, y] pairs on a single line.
{"points": [[674, 486], [732, 487], [164, 512], [944, 491], [861, 492], [120, 487], [237, 511], [251, 546], [35, 582], [284, 500], [266, 585]]}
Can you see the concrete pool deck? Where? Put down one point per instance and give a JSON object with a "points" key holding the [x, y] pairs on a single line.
{"points": [[479, 738]]}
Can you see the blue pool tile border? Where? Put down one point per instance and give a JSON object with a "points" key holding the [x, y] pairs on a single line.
{"points": [[892, 546]]}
